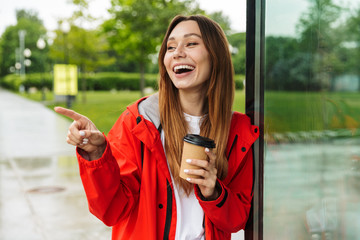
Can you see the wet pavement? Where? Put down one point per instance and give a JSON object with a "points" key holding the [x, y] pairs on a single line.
{"points": [[41, 196]]}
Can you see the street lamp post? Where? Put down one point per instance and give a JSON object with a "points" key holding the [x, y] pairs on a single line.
{"points": [[65, 28], [41, 44]]}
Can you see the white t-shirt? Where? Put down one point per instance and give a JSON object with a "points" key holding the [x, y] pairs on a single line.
{"points": [[190, 215]]}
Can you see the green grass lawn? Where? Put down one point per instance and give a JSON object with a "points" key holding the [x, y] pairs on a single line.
{"points": [[309, 111], [104, 107]]}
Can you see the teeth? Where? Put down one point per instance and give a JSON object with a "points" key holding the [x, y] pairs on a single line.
{"points": [[177, 68]]}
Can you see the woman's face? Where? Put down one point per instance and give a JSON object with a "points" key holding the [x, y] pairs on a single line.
{"points": [[186, 60]]}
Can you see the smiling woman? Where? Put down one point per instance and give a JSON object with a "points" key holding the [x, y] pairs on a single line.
{"points": [[131, 176], [187, 61]]}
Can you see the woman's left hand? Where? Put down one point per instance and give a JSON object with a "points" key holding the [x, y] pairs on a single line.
{"points": [[207, 174]]}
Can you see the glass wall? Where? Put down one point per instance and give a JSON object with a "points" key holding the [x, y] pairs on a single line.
{"points": [[312, 120]]}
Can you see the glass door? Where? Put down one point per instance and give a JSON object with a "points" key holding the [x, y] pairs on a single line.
{"points": [[311, 124]]}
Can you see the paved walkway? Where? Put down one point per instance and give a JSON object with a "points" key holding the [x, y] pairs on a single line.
{"points": [[41, 196]]}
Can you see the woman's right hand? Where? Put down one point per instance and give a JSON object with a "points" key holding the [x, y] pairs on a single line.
{"points": [[84, 134]]}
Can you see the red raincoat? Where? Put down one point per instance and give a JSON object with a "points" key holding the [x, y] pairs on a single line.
{"points": [[130, 187]]}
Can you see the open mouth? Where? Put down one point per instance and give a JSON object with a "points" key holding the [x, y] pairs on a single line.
{"points": [[183, 69]]}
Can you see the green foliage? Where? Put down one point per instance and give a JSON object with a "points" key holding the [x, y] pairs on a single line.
{"points": [[98, 81], [29, 15], [350, 55], [94, 81], [85, 48], [315, 26], [239, 81], [28, 21], [118, 81], [322, 52], [238, 43], [137, 27], [11, 82], [278, 50], [222, 20], [37, 80]]}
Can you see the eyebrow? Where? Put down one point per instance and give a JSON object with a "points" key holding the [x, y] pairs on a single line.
{"points": [[186, 36]]}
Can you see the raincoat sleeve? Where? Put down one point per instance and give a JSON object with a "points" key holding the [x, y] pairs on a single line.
{"points": [[230, 211], [112, 182]]}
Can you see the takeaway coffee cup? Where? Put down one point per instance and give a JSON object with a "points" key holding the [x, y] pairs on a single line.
{"points": [[194, 148]]}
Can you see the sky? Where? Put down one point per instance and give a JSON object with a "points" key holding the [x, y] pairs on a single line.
{"points": [[51, 10]]}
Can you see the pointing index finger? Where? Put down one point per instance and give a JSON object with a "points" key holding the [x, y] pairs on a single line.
{"points": [[68, 113]]}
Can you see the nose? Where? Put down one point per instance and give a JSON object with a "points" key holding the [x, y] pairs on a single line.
{"points": [[179, 52]]}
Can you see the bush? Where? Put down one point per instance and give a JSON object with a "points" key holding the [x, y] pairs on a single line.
{"points": [[37, 80], [103, 81], [11, 82], [239, 82], [118, 81]]}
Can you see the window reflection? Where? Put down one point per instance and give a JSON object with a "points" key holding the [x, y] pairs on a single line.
{"points": [[312, 120]]}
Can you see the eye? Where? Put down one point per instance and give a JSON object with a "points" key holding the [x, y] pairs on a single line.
{"points": [[170, 48], [190, 44]]}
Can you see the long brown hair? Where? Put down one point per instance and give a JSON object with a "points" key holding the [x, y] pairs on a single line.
{"points": [[218, 100]]}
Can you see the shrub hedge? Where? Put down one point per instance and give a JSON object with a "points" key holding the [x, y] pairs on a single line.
{"points": [[118, 80], [94, 81], [37, 80]]}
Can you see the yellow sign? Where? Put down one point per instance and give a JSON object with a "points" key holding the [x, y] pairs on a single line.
{"points": [[65, 79]]}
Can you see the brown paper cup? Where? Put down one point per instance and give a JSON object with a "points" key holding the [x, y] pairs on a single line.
{"points": [[194, 148]]}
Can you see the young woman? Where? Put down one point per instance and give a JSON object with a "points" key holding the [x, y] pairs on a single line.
{"points": [[131, 177]]}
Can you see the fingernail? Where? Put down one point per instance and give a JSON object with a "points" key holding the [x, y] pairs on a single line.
{"points": [[207, 150], [82, 133], [186, 170], [188, 160], [188, 179]]}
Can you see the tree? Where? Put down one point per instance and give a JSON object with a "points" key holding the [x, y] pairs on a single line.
{"points": [[138, 26], [310, 61], [351, 42], [86, 48], [222, 20], [238, 44], [316, 28], [28, 21], [279, 52], [292, 74]]}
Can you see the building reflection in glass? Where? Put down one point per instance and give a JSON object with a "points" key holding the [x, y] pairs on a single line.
{"points": [[312, 120]]}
